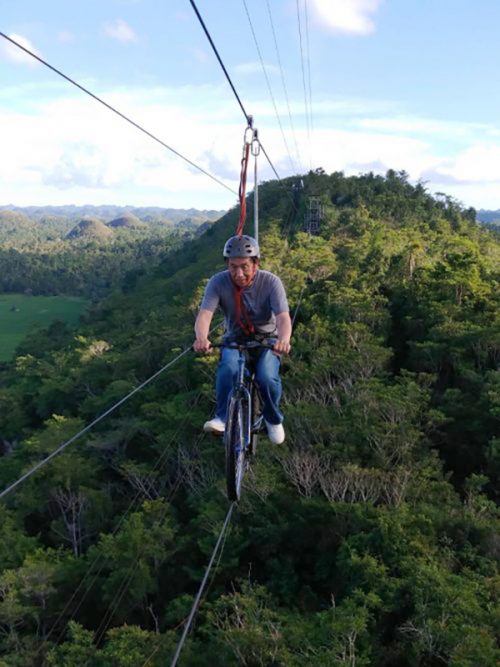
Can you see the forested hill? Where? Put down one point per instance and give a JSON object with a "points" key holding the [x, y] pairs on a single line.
{"points": [[369, 538], [149, 214], [491, 218], [88, 250]]}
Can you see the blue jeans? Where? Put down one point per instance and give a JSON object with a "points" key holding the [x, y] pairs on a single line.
{"points": [[267, 376]]}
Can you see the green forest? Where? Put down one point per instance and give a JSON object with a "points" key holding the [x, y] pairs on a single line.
{"points": [[88, 251], [370, 538]]}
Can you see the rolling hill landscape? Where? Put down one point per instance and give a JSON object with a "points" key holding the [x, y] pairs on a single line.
{"points": [[369, 538]]}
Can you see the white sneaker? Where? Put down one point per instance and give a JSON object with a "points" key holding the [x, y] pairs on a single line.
{"points": [[275, 433], [215, 426]]}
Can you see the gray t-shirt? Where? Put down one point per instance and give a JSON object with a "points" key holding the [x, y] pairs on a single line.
{"points": [[264, 299]]}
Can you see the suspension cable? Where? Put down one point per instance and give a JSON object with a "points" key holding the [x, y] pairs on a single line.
{"points": [[98, 561], [283, 81], [118, 113], [214, 48], [255, 149], [100, 417], [59, 449], [247, 116], [125, 584], [308, 58], [294, 169], [197, 600], [304, 81], [299, 301]]}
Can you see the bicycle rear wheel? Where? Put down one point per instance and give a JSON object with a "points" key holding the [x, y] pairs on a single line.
{"points": [[234, 440]]}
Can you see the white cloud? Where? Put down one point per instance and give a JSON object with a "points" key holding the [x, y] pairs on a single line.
{"points": [[77, 151], [9, 51], [349, 16], [61, 147], [120, 30], [477, 164], [354, 152]]}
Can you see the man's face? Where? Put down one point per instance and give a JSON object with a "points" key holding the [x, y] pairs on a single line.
{"points": [[242, 270]]}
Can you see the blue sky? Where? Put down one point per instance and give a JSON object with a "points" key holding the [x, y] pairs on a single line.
{"points": [[394, 84]]}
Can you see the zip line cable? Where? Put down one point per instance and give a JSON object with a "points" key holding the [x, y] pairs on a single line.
{"points": [[205, 29], [248, 117], [96, 562], [299, 301], [197, 600], [294, 169], [118, 113], [87, 428], [283, 82], [304, 81], [123, 587], [30, 472], [102, 416], [308, 58], [221, 551]]}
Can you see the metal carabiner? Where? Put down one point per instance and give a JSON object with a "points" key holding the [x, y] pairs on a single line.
{"points": [[248, 136], [249, 132], [255, 147]]}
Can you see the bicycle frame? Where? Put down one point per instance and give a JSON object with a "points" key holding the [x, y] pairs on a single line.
{"points": [[242, 424]]}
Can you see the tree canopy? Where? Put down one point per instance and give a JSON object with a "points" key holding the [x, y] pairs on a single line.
{"points": [[369, 538]]}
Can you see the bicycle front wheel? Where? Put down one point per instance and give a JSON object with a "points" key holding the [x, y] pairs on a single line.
{"points": [[256, 416], [234, 440]]}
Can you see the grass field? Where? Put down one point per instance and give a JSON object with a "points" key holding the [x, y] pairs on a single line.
{"points": [[19, 312]]}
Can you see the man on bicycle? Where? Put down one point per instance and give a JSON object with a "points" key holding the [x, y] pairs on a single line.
{"points": [[255, 307]]}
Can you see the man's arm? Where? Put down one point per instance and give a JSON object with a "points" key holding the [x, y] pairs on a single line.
{"points": [[201, 329], [284, 329]]}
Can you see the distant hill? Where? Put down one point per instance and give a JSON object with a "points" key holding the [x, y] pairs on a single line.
{"points": [[90, 228], [13, 220], [152, 214], [488, 217], [127, 221], [38, 224], [88, 250]]}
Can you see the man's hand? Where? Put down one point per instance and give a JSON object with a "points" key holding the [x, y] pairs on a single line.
{"points": [[202, 345], [282, 347], [284, 331], [201, 331]]}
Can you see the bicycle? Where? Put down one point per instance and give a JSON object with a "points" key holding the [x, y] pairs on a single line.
{"points": [[244, 419]]}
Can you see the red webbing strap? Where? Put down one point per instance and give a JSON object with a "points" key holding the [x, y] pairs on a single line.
{"points": [[242, 318], [242, 190]]}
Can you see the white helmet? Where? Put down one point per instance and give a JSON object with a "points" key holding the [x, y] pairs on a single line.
{"points": [[241, 246]]}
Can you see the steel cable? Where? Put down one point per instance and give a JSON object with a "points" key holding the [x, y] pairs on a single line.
{"points": [[197, 600], [294, 169], [118, 113]]}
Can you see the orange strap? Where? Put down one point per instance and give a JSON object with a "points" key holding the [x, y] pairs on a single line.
{"points": [[242, 190], [242, 317]]}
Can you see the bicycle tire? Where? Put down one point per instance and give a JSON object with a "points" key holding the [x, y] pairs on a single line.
{"points": [[255, 413], [235, 449]]}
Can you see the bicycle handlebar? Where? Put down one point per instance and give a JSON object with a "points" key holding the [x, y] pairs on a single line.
{"points": [[247, 345]]}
